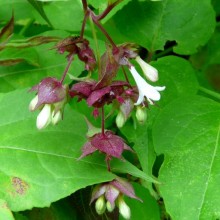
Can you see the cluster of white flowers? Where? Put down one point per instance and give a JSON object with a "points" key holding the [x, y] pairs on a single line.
{"points": [[146, 90], [47, 115]]}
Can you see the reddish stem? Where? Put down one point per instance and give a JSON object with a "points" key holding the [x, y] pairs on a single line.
{"points": [[96, 22], [70, 59], [84, 24], [103, 122], [149, 56], [125, 74], [107, 159], [85, 5], [107, 10]]}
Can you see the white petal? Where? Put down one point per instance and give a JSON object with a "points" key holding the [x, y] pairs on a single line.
{"points": [[145, 89], [150, 72], [100, 205], [160, 88], [56, 117], [140, 99], [124, 209], [44, 117], [33, 103]]}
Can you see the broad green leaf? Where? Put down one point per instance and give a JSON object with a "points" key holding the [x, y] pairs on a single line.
{"points": [[151, 24], [139, 136], [5, 212], [148, 210], [22, 10], [39, 7], [187, 133], [177, 75], [70, 20], [45, 166]]}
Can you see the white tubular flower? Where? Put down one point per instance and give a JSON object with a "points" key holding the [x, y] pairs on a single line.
{"points": [[44, 117], [56, 117], [150, 72], [33, 103], [141, 114], [145, 89], [120, 120], [124, 209], [110, 207], [100, 205]]}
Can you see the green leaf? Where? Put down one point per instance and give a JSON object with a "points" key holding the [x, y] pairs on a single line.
{"points": [[32, 42], [45, 166], [177, 75], [70, 20], [28, 54], [5, 212], [6, 32], [187, 133], [148, 210], [140, 138], [152, 24], [39, 7]]}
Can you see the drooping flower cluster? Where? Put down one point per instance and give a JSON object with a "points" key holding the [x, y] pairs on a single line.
{"points": [[50, 100], [52, 96], [108, 195]]}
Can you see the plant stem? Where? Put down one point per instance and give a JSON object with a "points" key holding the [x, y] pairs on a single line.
{"points": [[209, 92], [103, 121], [85, 5], [70, 59], [125, 74], [96, 44], [84, 24], [163, 53], [95, 20], [107, 10], [149, 56]]}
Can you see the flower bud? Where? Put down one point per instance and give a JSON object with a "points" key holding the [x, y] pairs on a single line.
{"points": [[120, 120], [100, 205], [141, 114], [124, 208], [56, 117], [109, 206], [44, 117], [150, 72], [33, 103]]}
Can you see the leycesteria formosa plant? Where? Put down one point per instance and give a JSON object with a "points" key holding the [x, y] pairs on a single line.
{"points": [[52, 95]]}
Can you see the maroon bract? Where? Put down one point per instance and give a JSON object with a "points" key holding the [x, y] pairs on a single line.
{"points": [[111, 194], [49, 91], [79, 46], [123, 53], [122, 185], [51, 98], [98, 97], [109, 69], [107, 143]]}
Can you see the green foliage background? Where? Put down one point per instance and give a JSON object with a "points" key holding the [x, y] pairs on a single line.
{"points": [[179, 144]]}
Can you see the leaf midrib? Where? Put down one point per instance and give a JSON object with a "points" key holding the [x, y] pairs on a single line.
{"points": [[210, 171]]}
